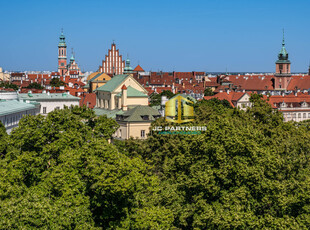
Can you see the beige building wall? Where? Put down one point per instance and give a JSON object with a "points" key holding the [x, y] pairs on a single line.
{"points": [[244, 102], [4, 76], [137, 101], [130, 81], [127, 130], [108, 100]]}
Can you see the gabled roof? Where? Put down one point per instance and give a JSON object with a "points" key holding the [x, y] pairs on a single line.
{"points": [[88, 100], [113, 83], [138, 69], [92, 75], [132, 92], [137, 113]]}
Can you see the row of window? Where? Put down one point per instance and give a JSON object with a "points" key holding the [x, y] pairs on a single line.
{"points": [[142, 135], [304, 115], [14, 119]]}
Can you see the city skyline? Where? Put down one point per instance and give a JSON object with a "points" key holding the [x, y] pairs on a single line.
{"points": [[177, 36]]}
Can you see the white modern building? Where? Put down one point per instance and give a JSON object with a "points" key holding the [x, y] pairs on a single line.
{"points": [[11, 111], [50, 101]]}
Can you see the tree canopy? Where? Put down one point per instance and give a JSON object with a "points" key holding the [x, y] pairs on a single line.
{"points": [[8, 85], [156, 97], [248, 170], [34, 85], [56, 82]]}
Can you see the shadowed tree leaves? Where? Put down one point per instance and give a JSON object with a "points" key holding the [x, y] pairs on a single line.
{"points": [[249, 170]]}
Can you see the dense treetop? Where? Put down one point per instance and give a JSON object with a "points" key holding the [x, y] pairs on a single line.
{"points": [[249, 170]]}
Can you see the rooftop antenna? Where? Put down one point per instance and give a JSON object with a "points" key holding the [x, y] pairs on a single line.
{"points": [[62, 30]]}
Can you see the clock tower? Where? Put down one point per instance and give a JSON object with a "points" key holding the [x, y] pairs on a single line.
{"points": [[62, 55]]}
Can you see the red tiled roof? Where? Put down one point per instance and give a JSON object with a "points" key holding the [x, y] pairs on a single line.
{"points": [[231, 97], [89, 100], [138, 69], [251, 83], [299, 82], [7, 89]]}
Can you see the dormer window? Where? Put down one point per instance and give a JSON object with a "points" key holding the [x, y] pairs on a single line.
{"points": [[304, 104], [145, 117], [283, 104]]}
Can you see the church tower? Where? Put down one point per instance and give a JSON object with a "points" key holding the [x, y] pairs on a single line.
{"points": [[128, 69], [283, 69], [62, 55]]}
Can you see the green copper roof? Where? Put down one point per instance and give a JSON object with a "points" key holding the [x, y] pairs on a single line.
{"points": [[12, 106], [137, 113], [113, 83], [127, 68], [62, 42], [132, 92], [108, 113], [72, 58], [47, 97], [283, 54]]}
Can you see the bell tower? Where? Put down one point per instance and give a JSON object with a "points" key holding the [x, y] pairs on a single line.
{"points": [[283, 69], [62, 55]]}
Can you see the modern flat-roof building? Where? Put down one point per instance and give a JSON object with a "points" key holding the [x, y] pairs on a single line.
{"points": [[11, 111], [50, 101]]}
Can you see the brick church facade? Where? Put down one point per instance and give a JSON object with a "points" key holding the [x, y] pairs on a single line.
{"points": [[113, 63]]}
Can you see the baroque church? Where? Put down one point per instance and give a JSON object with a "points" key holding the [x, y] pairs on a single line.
{"points": [[66, 69]]}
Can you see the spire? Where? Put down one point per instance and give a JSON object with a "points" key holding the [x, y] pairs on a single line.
{"points": [[72, 56], [283, 42], [283, 54]]}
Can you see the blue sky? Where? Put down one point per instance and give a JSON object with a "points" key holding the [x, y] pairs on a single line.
{"points": [[183, 35]]}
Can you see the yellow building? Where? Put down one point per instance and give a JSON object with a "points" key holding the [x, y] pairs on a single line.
{"points": [[120, 92], [136, 122], [125, 100], [96, 80]]}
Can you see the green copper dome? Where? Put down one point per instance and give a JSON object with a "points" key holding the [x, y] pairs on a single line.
{"points": [[283, 54], [72, 58], [127, 68], [62, 42]]}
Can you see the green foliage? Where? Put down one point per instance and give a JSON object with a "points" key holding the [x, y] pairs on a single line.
{"points": [[3, 140], [8, 85], [34, 85], [208, 92], [56, 82], [156, 98], [60, 172], [249, 170]]}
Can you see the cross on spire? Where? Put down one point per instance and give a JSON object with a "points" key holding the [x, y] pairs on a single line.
{"points": [[283, 42]]}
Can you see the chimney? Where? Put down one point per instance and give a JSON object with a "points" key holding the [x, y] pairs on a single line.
{"points": [[283, 94], [227, 91], [124, 98], [295, 93]]}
